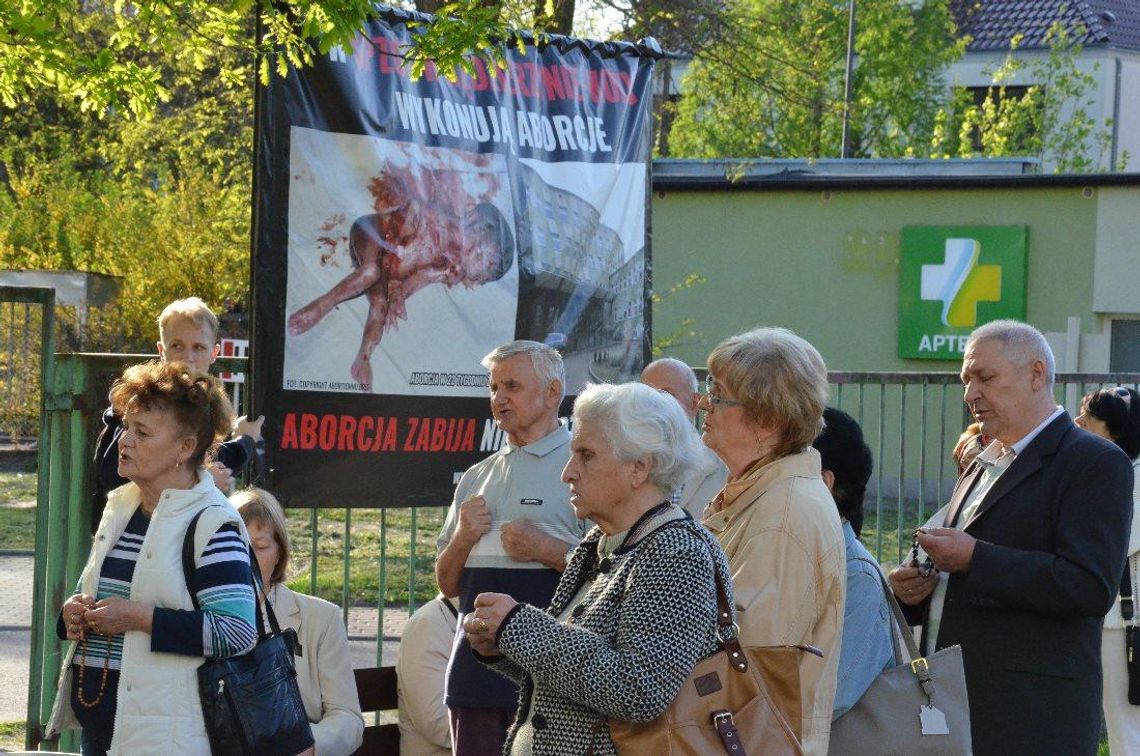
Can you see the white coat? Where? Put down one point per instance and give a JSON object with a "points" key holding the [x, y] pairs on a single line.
{"points": [[158, 702]]}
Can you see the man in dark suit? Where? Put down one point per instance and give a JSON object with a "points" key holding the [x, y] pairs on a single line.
{"points": [[1030, 557]]}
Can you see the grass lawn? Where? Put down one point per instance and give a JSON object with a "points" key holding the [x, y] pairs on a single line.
{"points": [[17, 489], [17, 510], [889, 555], [364, 549], [11, 736], [17, 531]]}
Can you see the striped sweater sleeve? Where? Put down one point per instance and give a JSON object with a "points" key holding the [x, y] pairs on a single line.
{"points": [[224, 625]]}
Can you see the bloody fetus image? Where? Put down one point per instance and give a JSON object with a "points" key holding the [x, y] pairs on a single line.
{"points": [[427, 228]]}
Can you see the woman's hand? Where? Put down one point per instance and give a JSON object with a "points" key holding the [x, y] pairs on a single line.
{"points": [[72, 612], [482, 625], [115, 615]]}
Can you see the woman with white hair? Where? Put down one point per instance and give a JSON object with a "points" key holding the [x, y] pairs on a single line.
{"points": [[636, 607]]}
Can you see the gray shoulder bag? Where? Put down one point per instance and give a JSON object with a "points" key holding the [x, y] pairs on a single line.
{"points": [[917, 707]]}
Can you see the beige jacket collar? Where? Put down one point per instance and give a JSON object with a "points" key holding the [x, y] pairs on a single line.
{"points": [[732, 501], [285, 605]]}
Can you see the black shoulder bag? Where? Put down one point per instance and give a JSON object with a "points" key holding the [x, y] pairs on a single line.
{"points": [[251, 703], [1131, 635]]}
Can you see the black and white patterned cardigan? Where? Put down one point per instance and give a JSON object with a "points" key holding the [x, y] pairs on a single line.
{"points": [[627, 648]]}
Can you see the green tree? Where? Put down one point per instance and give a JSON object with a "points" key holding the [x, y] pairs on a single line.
{"points": [[109, 54], [1050, 119], [162, 202], [772, 84], [187, 236]]}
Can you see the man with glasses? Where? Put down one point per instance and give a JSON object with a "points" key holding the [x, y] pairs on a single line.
{"points": [[1030, 557], [673, 377]]}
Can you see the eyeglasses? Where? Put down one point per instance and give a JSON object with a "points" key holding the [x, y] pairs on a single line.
{"points": [[716, 400]]}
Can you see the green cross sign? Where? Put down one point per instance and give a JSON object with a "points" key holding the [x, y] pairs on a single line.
{"points": [[954, 279]]}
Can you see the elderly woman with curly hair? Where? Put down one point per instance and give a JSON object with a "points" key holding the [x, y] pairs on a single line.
{"points": [[775, 518], [636, 607], [130, 679]]}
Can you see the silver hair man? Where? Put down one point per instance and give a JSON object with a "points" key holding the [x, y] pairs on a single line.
{"points": [[675, 378], [546, 360], [1023, 344]]}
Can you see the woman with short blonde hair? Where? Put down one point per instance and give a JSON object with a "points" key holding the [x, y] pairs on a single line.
{"points": [[775, 518]]}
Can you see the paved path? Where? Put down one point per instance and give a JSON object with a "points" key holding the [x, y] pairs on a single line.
{"points": [[15, 635], [16, 572]]}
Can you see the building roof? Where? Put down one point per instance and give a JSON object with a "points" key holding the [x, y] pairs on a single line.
{"points": [[1092, 23], [673, 174]]}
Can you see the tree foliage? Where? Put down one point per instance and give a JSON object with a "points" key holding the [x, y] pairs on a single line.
{"points": [[188, 237], [1050, 120], [773, 83], [162, 202], [108, 55]]}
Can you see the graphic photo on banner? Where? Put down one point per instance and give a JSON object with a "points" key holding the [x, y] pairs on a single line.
{"points": [[401, 266], [954, 279]]}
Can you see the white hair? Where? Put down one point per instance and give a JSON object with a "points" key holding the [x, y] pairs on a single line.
{"points": [[673, 362], [1023, 344], [641, 422], [546, 360]]}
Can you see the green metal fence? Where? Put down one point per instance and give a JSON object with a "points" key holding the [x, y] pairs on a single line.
{"points": [[912, 421], [21, 332], [377, 559]]}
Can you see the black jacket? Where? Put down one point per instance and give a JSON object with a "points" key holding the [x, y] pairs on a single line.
{"points": [[1052, 539]]}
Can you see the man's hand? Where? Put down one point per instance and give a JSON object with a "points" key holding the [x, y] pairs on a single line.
{"points": [[474, 520], [912, 585], [950, 548], [246, 427], [223, 478], [524, 542]]}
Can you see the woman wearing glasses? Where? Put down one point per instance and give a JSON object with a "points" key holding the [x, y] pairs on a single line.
{"points": [[775, 518], [1114, 413]]}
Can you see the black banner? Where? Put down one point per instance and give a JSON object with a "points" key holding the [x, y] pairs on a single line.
{"points": [[403, 229]]}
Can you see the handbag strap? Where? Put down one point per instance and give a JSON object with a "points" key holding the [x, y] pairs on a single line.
{"points": [[901, 629], [259, 597], [1127, 606], [918, 663], [724, 621]]}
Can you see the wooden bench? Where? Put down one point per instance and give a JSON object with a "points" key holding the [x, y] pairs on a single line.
{"points": [[376, 689]]}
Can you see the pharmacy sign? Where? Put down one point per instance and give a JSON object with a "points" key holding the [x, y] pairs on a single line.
{"points": [[954, 279]]}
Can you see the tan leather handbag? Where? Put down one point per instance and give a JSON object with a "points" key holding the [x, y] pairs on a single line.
{"points": [[741, 701]]}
